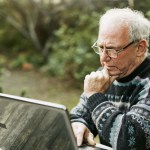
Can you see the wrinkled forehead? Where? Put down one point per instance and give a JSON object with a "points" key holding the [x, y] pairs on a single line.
{"points": [[113, 31]]}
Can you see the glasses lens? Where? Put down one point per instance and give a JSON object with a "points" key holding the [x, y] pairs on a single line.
{"points": [[96, 49], [111, 53]]}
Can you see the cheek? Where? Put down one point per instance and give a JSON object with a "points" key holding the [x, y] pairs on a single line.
{"points": [[123, 62]]}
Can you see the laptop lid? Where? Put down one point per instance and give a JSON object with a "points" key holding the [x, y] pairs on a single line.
{"points": [[29, 124]]}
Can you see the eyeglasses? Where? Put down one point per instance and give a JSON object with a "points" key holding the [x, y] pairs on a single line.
{"points": [[113, 53]]}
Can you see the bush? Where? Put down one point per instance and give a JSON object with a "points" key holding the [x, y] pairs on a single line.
{"points": [[72, 55], [65, 33]]}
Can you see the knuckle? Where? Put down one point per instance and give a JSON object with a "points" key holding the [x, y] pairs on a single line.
{"points": [[92, 73], [98, 72], [87, 76]]}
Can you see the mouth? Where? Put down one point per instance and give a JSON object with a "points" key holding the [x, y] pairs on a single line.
{"points": [[109, 68], [113, 70]]}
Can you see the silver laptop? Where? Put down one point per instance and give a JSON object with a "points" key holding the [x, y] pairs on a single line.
{"points": [[29, 124]]}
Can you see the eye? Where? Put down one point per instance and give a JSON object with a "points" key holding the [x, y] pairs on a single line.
{"points": [[111, 51]]}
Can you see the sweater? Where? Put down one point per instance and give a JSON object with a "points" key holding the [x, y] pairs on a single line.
{"points": [[120, 116]]}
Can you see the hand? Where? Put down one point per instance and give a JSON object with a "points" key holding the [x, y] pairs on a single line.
{"points": [[82, 134], [97, 82]]}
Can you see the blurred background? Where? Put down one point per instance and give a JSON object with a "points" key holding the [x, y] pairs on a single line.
{"points": [[45, 45]]}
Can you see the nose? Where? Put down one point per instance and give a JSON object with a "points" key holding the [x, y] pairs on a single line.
{"points": [[104, 56]]}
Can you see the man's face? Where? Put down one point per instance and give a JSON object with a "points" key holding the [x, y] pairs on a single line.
{"points": [[116, 37]]}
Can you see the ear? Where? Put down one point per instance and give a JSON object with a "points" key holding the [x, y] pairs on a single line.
{"points": [[141, 48]]}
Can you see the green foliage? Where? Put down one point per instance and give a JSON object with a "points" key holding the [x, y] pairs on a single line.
{"points": [[72, 55], [32, 59], [55, 37]]}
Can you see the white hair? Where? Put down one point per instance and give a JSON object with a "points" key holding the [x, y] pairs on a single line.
{"points": [[138, 25]]}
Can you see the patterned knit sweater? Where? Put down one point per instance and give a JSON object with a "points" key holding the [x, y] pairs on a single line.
{"points": [[121, 116]]}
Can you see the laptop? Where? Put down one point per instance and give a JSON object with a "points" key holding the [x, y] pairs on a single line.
{"points": [[30, 124]]}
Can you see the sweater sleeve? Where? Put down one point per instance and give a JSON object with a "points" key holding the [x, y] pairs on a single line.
{"points": [[124, 131], [81, 112]]}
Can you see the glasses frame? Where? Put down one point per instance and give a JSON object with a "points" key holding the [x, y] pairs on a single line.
{"points": [[95, 48]]}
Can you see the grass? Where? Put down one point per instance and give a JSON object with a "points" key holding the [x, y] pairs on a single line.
{"points": [[36, 85]]}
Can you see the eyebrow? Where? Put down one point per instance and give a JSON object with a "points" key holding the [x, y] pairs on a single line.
{"points": [[108, 47]]}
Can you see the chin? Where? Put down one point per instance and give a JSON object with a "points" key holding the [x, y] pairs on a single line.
{"points": [[115, 73]]}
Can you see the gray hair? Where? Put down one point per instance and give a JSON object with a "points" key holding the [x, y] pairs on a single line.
{"points": [[139, 26]]}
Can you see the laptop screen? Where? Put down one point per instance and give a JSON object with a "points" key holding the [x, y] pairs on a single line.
{"points": [[27, 124]]}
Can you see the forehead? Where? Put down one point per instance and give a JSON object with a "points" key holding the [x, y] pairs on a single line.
{"points": [[113, 33]]}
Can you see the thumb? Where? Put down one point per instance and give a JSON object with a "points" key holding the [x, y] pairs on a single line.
{"points": [[90, 139]]}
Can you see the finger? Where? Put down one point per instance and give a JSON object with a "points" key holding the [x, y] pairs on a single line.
{"points": [[92, 73], [90, 139], [79, 138], [105, 73], [74, 128], [99, 74], [79, 130], [87, 77]]}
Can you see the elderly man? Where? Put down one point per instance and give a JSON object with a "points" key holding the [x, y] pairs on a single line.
{"points": [[115, 103]]}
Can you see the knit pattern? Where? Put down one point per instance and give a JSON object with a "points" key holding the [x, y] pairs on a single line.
{"points": [[121, 116]]}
